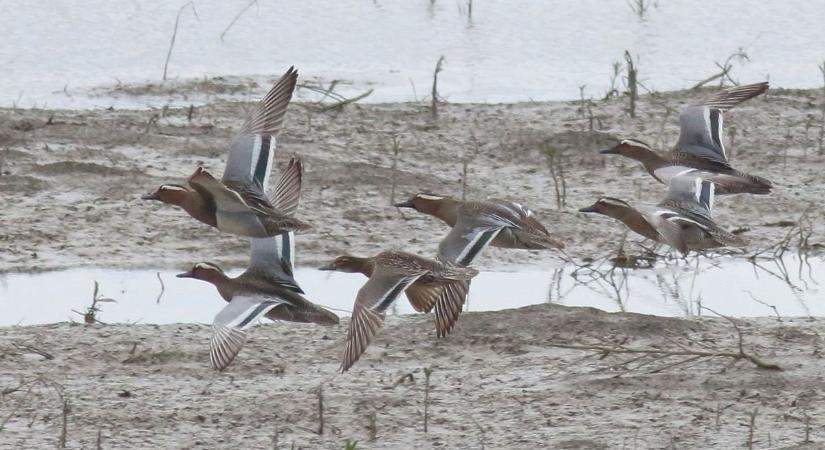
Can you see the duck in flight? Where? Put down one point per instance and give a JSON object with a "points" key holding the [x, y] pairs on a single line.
{"points": [[475, 224], [266, 289], [428, 283], [237, 204], [700, 151], [681, 220]]}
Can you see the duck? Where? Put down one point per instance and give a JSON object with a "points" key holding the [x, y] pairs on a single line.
{"points": [[682, 220], [700, 150], [476, 224], [266, 289], [428, 283], [236, 204]]}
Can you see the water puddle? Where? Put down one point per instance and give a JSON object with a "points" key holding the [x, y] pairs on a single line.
{"points": [[517, 50], [731, 286]]}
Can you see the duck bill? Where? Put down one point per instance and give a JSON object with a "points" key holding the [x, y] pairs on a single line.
{"points": [[589, 209], [153, 196], [406, 204], [186, 275], [330, 266], [609, 151]]}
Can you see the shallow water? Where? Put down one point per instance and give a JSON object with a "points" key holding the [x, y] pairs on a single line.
{"points": [[726, 285], [505, 51]]}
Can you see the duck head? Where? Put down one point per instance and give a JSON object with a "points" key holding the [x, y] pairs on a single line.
{"points": [[630, 148], [608, 206], [205, 271], [169, 193], [349, 264]]}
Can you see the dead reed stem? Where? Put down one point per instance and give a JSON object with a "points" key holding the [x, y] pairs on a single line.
{"points": [[320, 409], [395, 149], [632, 83], [821, 149], [238, 16], [175, 34], [427, 372], [434, 93], [162, 288]]}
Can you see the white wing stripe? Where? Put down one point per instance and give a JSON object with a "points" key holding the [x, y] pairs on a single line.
{"points": [[256, 153]]}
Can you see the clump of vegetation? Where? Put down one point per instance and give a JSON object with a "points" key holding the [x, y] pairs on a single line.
{"points": [[90, 315]]}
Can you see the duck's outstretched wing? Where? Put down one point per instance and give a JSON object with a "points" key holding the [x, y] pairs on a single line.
{"points": [[229, 327], [692, 195], [287, 194], [371, 303], [450, 303], [468, 237], [273, 256], [701, 132], [252, 151]]}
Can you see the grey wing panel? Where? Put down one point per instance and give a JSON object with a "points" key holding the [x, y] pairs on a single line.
{"points": [[252, 151], [275, 257], [243, 310], [465, 241], [692, 193], [701, 133], [250, 160], [382, 289], [228, 335]]}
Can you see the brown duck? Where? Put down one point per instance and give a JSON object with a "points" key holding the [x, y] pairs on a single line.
{"points": [[682, 220], [428, 284], [700, 151], [237, 204], [266, 288], [475, 224]]}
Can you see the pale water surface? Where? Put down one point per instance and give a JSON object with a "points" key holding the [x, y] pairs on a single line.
{"points": [[727, 285], [52, 51]]}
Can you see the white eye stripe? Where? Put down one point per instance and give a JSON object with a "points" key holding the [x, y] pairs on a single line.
{"points": [[635, 143], [207, 266], [169, 187], [429, 197]]}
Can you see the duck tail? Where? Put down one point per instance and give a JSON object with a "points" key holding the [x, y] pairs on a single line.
{"points": [[323, 316], [538, 242], [297, 225], [744, 183]]}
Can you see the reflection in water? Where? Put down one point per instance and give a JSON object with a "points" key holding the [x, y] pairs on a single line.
{"points": [[677, 287]]}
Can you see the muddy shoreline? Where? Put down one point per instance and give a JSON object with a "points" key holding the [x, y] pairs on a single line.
{"points": [[497, 382]]}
